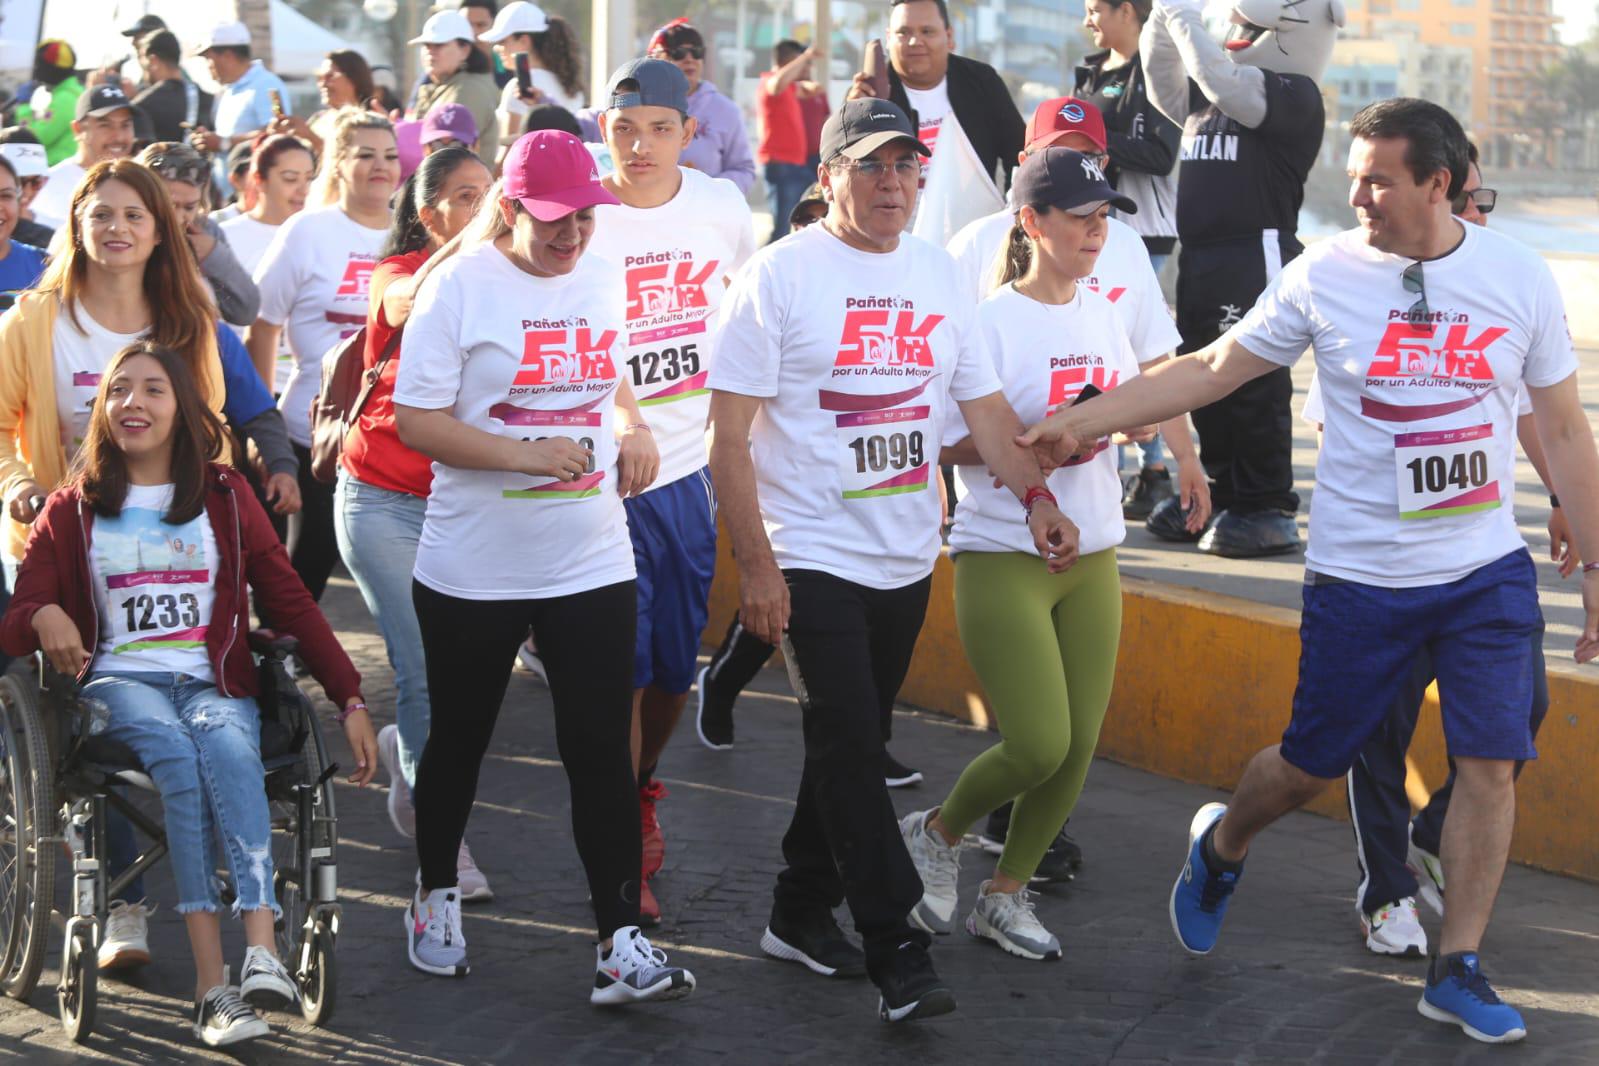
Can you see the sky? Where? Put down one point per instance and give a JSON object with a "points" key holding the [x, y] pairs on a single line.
{"points": [[1579, 19]]}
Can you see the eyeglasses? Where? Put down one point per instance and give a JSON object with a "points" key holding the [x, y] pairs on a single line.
{"points": [[1483, 198], [876, 168], [685, 51], [1419, 315]]}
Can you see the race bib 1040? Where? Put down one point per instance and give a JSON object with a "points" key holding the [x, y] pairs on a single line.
{"points": [[1445, 472]]}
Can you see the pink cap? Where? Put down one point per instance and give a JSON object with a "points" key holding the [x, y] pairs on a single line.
{"points": [[551, 174]]}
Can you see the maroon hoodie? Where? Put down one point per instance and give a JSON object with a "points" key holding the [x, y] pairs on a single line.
{"points": [[56, 571]]}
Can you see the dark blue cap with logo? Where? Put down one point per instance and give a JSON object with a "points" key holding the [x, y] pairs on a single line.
{"points": [[656, 83], [860, 127], [1071, 181]]}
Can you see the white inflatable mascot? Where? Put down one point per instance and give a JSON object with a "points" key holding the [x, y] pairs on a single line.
{"points": [[1252, 121]]}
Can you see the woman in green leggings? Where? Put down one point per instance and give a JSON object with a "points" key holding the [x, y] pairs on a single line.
{"points": [[1043, 644]]}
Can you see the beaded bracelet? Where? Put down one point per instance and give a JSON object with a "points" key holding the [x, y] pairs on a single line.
{"points": [[346, 711]]}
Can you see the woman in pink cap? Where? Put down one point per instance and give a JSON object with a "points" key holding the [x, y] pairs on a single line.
{"points": [[509, 381]]}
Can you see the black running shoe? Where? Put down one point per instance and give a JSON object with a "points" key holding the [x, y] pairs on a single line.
{"points": [[1061, 862], [911, 988], [1143, 491], [1251, 535], [897, 774], [713, 717], [1168, 521], [814, 941]]}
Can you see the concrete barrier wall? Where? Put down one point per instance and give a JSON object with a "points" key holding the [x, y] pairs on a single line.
{"points": [[1204, 681]]}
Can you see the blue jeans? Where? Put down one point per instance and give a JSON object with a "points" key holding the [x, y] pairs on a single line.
{"points": [[787, 182], [378, 530], [203, 750]]}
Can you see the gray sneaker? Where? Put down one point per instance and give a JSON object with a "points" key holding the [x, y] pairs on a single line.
{"points": [[433, 933], [223, 1017], [939, 865], [1008, 919]]}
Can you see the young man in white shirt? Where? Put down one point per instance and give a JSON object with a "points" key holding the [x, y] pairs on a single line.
{"points": [[103, 126], [1423, 329], [841, 350], [676, 237]]}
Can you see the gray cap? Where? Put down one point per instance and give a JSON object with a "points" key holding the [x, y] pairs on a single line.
{"points": [[660, 84], [860, 127]]}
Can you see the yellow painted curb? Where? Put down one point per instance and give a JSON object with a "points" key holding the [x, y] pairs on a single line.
{"points": [[1203, 681]]}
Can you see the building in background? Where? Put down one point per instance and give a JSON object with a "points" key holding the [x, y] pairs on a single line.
{"points": [[1510, 43]]}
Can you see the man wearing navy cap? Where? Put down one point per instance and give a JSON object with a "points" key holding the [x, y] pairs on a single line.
{"points": [[842, 349], [677, 234]]}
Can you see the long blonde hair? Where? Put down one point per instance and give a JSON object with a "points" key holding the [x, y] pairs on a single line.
{"points": [[346, 122]]}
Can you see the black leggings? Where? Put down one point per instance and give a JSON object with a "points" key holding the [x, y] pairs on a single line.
{"points": [[586, 640], [313, 547]]}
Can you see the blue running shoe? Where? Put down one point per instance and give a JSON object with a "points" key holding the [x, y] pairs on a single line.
{"points": [[1458, 993], [1199, 898]]}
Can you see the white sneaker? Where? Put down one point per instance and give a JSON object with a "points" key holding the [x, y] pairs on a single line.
{"points": [[1395, 929], [223, 1017], [433, 933], [527, 656], [1429, 871], [939, 865], [402, 809], [127, 936], [633, 971], [266, 984], [469, 879], [1009, 920]]}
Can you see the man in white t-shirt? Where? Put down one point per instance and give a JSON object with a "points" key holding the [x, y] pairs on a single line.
{"points": [[103, 126], [676, 237], [1423, 329], [841, 350], [935, 86]]}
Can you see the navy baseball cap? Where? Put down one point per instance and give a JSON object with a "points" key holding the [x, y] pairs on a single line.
{"points": [[860, 127], [1071, 181], [658, 84]]}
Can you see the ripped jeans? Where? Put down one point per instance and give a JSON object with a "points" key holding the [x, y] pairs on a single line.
{"points": [[203, 750]]}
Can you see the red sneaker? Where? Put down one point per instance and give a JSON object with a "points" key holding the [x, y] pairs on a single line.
{"points": [[654, 841], [649, 908]]}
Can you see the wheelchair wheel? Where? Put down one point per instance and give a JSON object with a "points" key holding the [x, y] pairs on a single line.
{"points": [[28, 880], [319, 978], [75, 996]]}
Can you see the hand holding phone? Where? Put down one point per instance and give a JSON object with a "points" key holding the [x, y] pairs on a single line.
{"points": [[876, 68]]}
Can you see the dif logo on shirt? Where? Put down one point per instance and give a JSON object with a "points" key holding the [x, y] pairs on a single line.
{"points": [[1416, 351], [884, 333], [568, 356], [655, 288]]}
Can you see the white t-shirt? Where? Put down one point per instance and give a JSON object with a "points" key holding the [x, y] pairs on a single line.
{"points": [[313, 281], [526, 357], [932, 108], [1122, 274], [81, 356], [54, 200], [250, 240], [154, 586], [1045, 354], [512, 112], [858, 356], [1414, 482], [677, 259]]}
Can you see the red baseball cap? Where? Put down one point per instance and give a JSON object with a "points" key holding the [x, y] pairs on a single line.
{"points": [[551, 174], [1056, 118]]}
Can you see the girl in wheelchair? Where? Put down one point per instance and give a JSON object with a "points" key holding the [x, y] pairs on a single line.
{"points": [[136, 582]]}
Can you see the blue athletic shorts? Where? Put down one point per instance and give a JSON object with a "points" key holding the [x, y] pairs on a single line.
{"points": [[1357, 644], [674, 548]]}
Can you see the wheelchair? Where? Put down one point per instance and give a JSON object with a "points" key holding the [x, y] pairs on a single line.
{"points": [[56, 778]]}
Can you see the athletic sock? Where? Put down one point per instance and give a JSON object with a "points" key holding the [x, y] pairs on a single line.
{"points": [[1214, 862]]}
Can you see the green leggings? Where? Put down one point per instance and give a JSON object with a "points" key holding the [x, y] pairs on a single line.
{"points": [[1044, 647]]}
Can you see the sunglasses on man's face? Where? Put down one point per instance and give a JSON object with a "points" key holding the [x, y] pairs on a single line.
{"points": [[684, 51], [1483, 198]]}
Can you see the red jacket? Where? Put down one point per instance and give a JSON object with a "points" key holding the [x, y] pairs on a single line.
{"points": [[56, 571]]}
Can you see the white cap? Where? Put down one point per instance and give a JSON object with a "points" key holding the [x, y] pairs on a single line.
{"points": [[443, 27], [518, 17], [28, 159], [225, 34]]}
